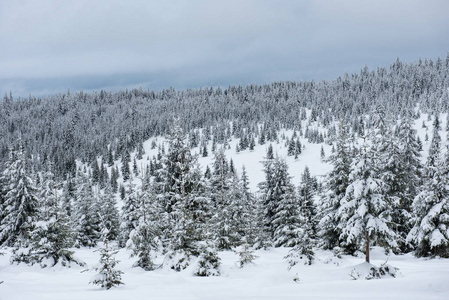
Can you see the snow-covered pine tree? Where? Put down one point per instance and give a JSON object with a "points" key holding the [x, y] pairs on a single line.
{"points": [[126, 171], [200, 208], [236, 208], [268, 200], [143, 239], [365, 211], [336, 184], [291, 149], [400, 168], [108, 276], [52, 236], [181, 194], [129, 215], [298, 148], [185, 233], [68, 195], [20, 207], [430, 233], [306, 191], [246, 254], [2, 197], [85, 217], [109, 212], [285, 221], [249, 227], [209, 262], [306, 235], [224, 230], [303, 250]]}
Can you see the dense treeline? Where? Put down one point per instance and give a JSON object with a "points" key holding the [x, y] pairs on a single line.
{"points": [[68, 126]]}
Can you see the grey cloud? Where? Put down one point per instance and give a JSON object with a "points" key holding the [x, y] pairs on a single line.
{"points": [[48, 46]]}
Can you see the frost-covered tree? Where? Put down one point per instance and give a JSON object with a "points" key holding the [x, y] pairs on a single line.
{"points": [[184, 203], [303, 250], [291, 149], [365, 210], [248, 212], [129, 215], [108, 276], [109, 212], [143, 240], [223, 193], [126, 171], [285, 221], [269, 197], [307, 219], [85, 217], [21, 203], [400, 169], [246, 255], [68, 195], [430, 233], [336, 184], [52, 236], [306, 192], [209, 262]]}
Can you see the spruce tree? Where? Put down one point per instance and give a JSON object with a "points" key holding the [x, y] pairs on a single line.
{"points": [[268, 200], [143, 240], [109, 212], [52, 237], [246, 255], [181, 178], [336, 184], [303, 250], [306, 235], [20, 207], [126, 159], [291, 149], [129, 216], [85, 217], [249, 225], [430, 234], [225, 232], [107, 276], [68, 195], [400, 168], [285, 221], [208, 263], [365, 211]]}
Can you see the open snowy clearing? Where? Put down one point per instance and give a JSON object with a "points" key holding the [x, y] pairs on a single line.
{"points": [[268, 278]]}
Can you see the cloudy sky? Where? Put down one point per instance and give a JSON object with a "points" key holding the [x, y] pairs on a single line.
{"points": [[49, 46]]}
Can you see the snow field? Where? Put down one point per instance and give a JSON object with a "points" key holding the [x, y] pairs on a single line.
{"points": [[267, 278]]}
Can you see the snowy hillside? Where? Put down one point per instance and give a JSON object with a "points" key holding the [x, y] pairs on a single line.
{"points": [[331, 276], [310, 156], [317, 190]]}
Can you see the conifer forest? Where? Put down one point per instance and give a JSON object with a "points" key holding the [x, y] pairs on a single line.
{"points": [[210, 182]]}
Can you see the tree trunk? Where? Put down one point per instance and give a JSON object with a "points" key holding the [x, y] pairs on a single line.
{"points": [[367, 248]]}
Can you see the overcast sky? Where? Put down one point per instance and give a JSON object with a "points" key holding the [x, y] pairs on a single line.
{"points": [[49, 46]]}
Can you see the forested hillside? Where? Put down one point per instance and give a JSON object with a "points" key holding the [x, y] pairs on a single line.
{"points": [[76, 173], [66, 127]]}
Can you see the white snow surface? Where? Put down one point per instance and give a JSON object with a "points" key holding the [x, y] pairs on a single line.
{"points": [[267, 278]]}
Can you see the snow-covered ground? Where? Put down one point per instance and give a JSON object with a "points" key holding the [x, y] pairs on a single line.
{"points": [[268, 278]]}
